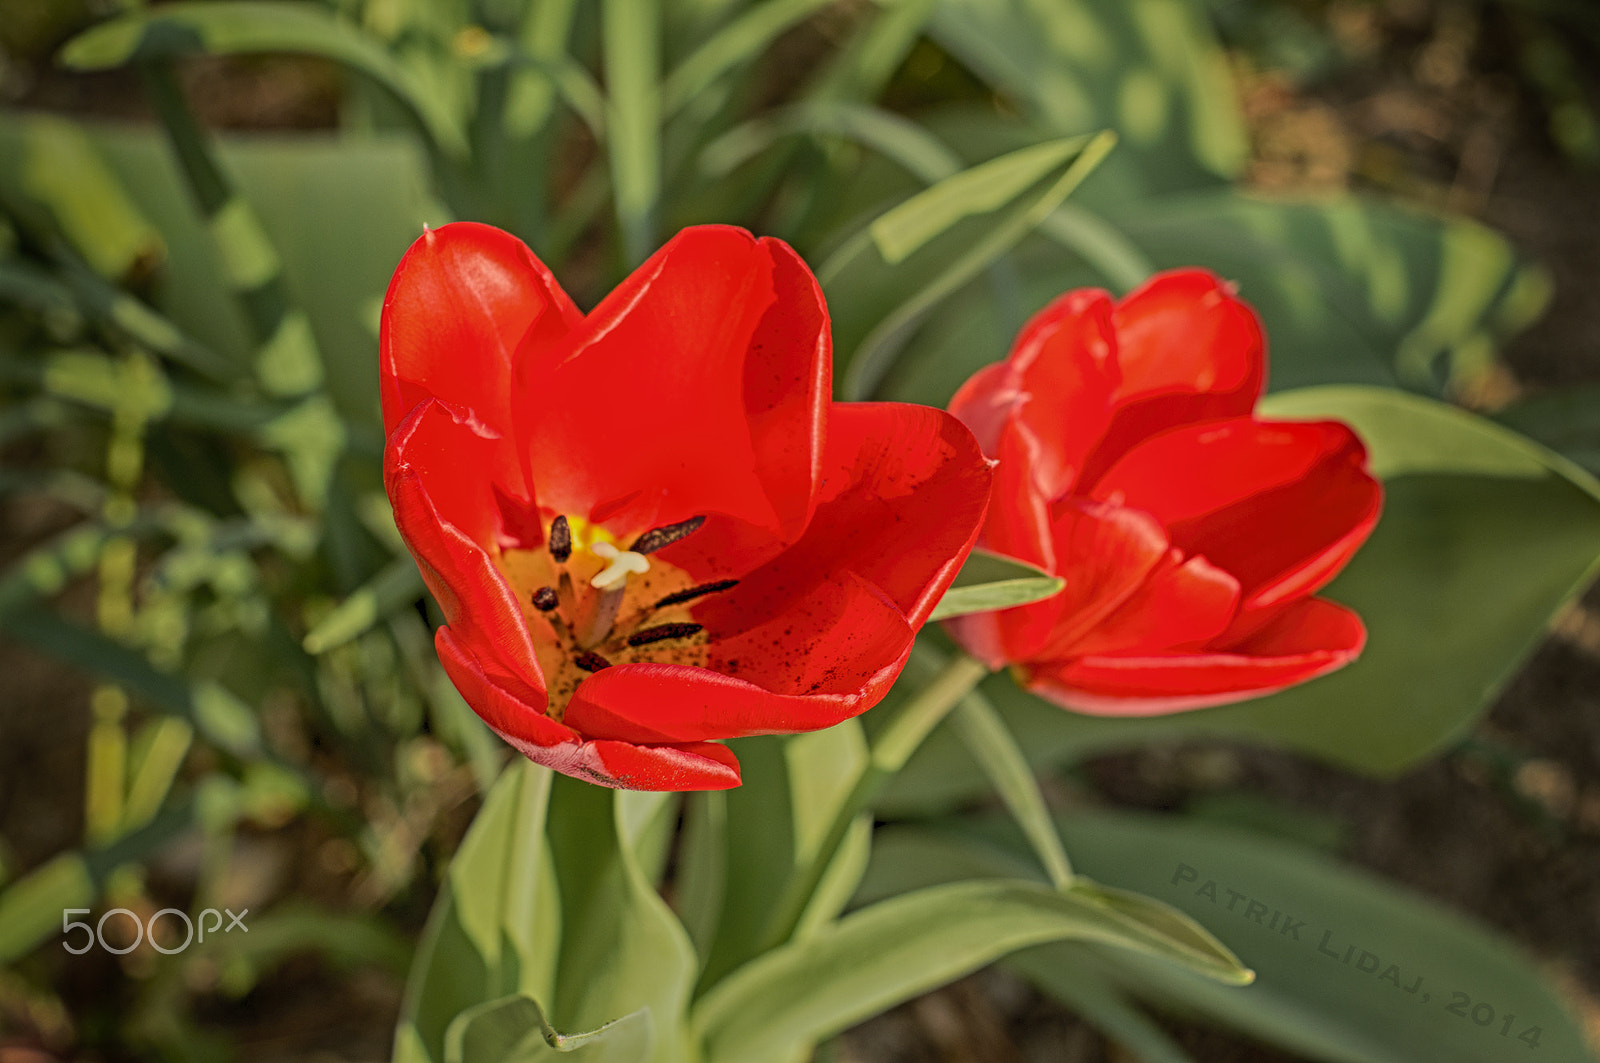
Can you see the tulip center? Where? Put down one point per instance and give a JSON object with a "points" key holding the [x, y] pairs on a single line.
{"points": [[591, 603]]}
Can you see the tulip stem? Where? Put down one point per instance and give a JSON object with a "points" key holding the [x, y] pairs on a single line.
{"points": [[911, 724]]}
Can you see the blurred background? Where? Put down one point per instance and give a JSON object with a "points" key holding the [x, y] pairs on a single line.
{"points": [[219, 688]]}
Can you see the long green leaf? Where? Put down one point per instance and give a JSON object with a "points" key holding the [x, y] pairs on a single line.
{"points": [[1345, 1007], [632, 47], [990, 581], [741, 41], [256, 26], [496, 927], [984, 733], [883, 281], [897, 949], [399, 584], [514, 1030], [622, 949]]}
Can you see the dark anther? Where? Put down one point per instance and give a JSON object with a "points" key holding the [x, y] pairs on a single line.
{"points": [[661, 632], [591, 661], [667, 534], [679, 597], [560, 539], [545, 599]]}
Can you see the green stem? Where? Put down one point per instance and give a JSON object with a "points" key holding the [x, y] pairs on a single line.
{"points": [[913, 723]]}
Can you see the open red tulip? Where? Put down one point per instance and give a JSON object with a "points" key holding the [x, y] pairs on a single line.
{"points": [[1191, 534], [648, 527]]}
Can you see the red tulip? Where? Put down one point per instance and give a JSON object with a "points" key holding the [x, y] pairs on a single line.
{"points": [[648, 527], [1191, 534]]}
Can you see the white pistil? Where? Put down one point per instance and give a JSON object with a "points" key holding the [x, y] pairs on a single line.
{"points": [[622, 562]]}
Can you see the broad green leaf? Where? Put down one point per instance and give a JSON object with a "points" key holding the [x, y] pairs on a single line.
{"points": [[257, 26], [701, 880], [884, 281], [1350, 291], [622, 949], [1565, 419], [514, 1030], [898, 948], [496, 928], [761, 844], [1399, 964], [1098, 1002], [822, 768], [1150, 69], [1483, 537], [990, 581]]}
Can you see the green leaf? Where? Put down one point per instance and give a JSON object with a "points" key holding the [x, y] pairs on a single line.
{"points": [[398, 585], [990, 581], [372, 198], [622, 949], [631, 37], [741, 41], [30, 908], [257, 26], [983, 732], [759, 857], [1098, 1002], [702, 867], [1483, 537], [884, 281], [1150, 69], [898, 948], [1350, 290], [496, 928], [1304, 1000], [1565, 419], [62, 170], [211, 709], [514, 1030]]}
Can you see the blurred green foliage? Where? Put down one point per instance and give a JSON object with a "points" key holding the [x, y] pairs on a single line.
{"points": [[188, 358]]}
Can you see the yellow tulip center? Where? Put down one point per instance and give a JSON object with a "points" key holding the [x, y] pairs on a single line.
{"points": [[591, 604]]}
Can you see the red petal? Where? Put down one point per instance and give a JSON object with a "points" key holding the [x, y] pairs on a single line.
{"points": [[1019, 526], [1108, 552], [904, 489], [1188, 350], [1057, 382], [1280, 505], [696, 387], [830, 657], [462, 300], [1182, 603], [690, 766], [1307, 639], [620, 765], [446, 512]]}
